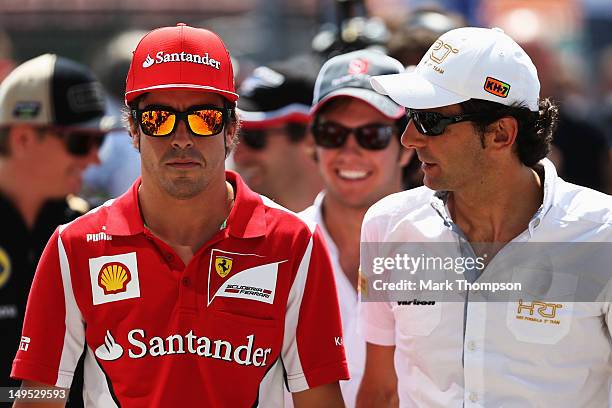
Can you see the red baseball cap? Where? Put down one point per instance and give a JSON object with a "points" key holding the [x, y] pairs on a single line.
{"points": [[181, 57]]}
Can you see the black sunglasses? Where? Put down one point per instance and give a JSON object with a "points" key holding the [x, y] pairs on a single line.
{"points": [[434, 123], [160, 121], [78, 142], [257, 139], [332, 135]]}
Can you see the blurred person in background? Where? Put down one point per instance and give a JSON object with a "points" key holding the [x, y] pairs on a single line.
{"points": [[7, 62], [580, 148], [358, 152], [119, 161], [274, 153], [605, 111], [411, 38], [52, 122]]}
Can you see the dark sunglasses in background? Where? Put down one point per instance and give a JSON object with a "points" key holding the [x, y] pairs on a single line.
{"points": [[201, 120], [374, 136], [434, 123], [78, 142], [257, 139]]}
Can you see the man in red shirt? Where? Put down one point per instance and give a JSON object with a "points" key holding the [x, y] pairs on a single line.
{"points": [[190, 289]]}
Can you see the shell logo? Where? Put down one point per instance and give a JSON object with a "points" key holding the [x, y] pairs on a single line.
{"points": [[114, 278]]}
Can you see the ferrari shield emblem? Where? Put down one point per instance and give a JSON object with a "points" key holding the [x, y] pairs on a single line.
{"points": [[223, 265]]}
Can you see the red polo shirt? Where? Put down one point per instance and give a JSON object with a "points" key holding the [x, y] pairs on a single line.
{"points": [[255, 307]]}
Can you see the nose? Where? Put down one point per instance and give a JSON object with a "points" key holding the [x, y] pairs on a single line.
{"points": [[181, 138], [411, 138], [351, 145]]}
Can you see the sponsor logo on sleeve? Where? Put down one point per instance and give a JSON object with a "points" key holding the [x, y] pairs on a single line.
{"points": [[24, 343], [114, 278]]}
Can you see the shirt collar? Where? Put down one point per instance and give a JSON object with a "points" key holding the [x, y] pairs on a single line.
{"points": [[124, 213], [550, 181], [246, 219], [248, 216]]}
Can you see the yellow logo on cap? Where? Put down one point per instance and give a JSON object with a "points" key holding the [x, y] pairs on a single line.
{"points": [[223, 265], [440, 50], [5, 267]]}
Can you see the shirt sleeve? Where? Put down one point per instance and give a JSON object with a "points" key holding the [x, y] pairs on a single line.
{"points": [[53, 332], [376, 322], [313, 351]]}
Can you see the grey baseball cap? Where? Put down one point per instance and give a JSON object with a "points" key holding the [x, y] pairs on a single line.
{"points": [[52, 90], [349, 75]]}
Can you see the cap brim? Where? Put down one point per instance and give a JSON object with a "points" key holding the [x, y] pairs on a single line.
{"points": [[103, 124], [413, 91], [231, 96], [294, 112], [379, 102]]}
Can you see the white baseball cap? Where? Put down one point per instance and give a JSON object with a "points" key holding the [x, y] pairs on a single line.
{"points": [[466, 63]]}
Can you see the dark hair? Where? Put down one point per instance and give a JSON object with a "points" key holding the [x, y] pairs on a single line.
{"points": [[535, 129], [4, 141]]}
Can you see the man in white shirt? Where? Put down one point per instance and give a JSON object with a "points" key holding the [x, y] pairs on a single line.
{"points": [[356, 132], [482, 134]]}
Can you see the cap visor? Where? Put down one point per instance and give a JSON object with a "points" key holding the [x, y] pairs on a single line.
{"points": [[379, 102], [290, 113], [231, 96], [413, 91], [103, 124]]}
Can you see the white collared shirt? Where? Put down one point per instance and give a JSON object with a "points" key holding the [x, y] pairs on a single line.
{"points": [[507, 361]]}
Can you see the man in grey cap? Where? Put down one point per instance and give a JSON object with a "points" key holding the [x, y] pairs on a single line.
{"points": [[357, 135], [52, 122]]}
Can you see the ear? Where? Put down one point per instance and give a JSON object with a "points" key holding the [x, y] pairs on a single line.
{"points": [[134, 132], [308, 145], [502, 133], [231, 137]]}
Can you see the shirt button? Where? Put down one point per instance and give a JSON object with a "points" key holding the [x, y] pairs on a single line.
{"points": [[169, 257], [473, 397], [536, 222], [186, 282], [471, 345]]}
